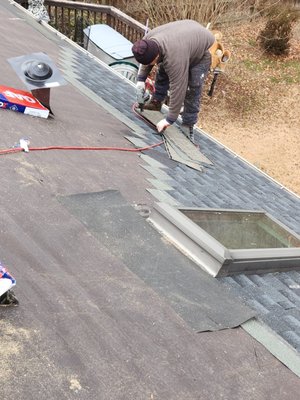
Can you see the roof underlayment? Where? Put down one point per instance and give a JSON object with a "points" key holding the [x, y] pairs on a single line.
{"points": [[232, 183], [94, 319]]}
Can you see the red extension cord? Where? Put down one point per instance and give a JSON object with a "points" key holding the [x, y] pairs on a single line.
{"points": [[20, 149]]}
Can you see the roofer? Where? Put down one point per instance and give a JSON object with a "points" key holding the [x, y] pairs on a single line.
{"points": [[181, 50]]}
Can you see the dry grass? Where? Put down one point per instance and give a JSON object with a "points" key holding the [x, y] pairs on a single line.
{"points": [[255, 107]]}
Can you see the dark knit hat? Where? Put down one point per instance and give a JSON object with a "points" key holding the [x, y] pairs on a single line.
{"points": [[145, 51]]}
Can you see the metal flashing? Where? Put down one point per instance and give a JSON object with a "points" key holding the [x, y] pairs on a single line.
{"points": [[269, 247], [274, 344]]}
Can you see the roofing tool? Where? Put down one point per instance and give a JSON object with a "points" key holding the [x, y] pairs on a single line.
{"points": [[213, 82], [141, 106], [222, 57], [141, 94], [219, 59], [39, 73], [144, 90]]}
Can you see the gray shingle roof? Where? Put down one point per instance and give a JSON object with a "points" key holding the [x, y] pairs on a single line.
{"points": [[230, 183]]}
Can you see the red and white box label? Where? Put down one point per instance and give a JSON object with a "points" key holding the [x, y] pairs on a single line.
{"points": [[24, 102]]}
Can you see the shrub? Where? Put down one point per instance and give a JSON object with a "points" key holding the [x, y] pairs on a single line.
{"points": [[277, 33]]}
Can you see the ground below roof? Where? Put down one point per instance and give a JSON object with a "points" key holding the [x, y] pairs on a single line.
{"points": [[255, 107]]}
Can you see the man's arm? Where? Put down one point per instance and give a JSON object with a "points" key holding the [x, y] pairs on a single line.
{"points": [[143, 73]]}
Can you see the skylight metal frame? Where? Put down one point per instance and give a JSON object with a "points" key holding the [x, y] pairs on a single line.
{"points": [[211, 255]]}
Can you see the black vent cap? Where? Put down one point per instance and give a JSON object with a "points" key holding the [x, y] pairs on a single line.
{"points": [[37, 70]]}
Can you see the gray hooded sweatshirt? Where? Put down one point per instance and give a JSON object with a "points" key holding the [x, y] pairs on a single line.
{"points": [[182, 44]]}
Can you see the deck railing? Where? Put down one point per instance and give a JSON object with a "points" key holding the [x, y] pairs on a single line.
{"points": [[71, 17]]}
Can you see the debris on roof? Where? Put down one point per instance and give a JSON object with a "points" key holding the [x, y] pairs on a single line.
{"points": [[178, 146]]}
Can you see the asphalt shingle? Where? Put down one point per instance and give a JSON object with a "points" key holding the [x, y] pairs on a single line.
{"points": [[230, 183]]}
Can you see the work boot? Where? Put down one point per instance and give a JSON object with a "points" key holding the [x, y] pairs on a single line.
{"points": [[153, 105]]}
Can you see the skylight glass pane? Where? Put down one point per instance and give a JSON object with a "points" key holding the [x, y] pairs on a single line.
{"points": [[243, 230]]}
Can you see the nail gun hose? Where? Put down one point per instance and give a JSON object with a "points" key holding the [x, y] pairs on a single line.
{"points": [[18, 149]]}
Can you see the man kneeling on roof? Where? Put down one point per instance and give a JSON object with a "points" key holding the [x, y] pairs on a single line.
{"points": [[181, 50]]}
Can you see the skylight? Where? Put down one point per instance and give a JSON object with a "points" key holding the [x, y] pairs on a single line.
{"points": [[225, 242]]}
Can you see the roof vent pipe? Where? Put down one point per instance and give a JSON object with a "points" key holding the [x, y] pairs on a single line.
{"points": [[39, 73]]}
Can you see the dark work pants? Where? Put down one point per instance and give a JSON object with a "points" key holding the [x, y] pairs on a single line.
{"points": [[197, 76]]}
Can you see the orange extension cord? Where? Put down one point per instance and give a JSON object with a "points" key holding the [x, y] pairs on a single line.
{"points": [[19, 149]]}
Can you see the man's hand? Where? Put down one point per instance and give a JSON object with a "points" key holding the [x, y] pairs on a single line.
{"points": [[162, 125], [140, 92]]}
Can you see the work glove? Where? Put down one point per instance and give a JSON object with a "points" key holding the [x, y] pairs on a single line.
{"points": [[140, 92], [162, 125]]}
